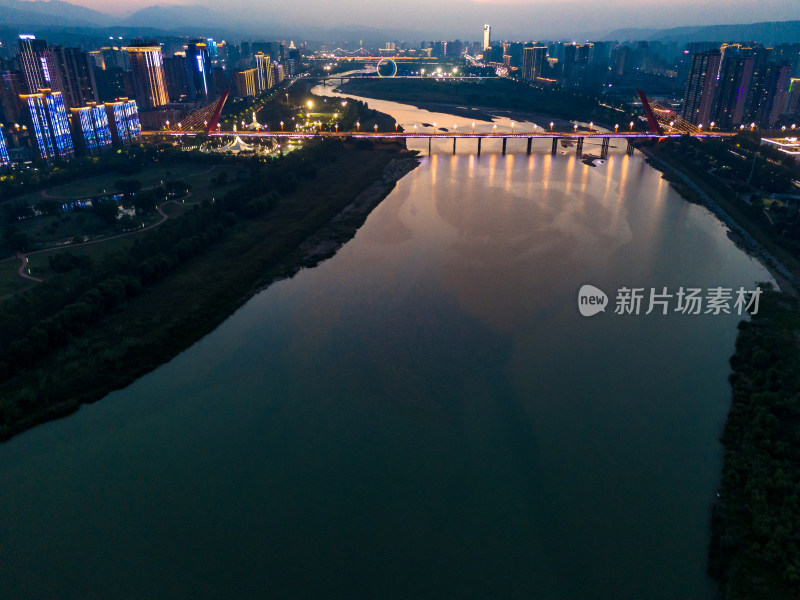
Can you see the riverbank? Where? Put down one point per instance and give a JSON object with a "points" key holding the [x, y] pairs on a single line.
{"points": [[691, 191], [494, 98], [306, 226], [753, 551]]}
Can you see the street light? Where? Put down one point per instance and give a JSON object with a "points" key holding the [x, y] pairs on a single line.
{"points": [[310, 104], [376, 128], [167, 126], [616, 128], [281, 125], [711, 126], [591, 126], [337, 127], [396, 125], [551, 125], [473, 127], [494, 129], [358, 125], [512, 127], [434, 129]]}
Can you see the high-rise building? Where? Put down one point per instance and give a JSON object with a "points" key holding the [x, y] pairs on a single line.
{"points": [[198, 68], [793, 98], [487, 37], [265, 73], [701, 87], [38, 67], [90, 130], [46, 114], [773, 85], [246, 83], [220, 80], [532, 62], [113, 83], [12, 85], [147, 68], [4, 160], [76, 72], [123, 121], [730, 101], [177, 76]]}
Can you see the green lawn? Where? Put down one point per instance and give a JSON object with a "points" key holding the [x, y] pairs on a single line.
{"points": [[150, 176]]}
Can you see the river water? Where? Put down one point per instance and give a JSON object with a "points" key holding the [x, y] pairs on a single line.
{"points": [[425, 415]]}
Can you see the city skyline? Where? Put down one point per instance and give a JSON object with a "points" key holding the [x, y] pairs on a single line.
{"points": [[509, 18]]}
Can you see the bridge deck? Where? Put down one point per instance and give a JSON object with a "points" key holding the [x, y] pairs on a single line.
{"points": [[441, 135]]}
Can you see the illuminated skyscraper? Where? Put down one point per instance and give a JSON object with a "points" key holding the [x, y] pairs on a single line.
{"points": [[532, 62], [198, 68], [246, 83], [47, 115], [123, 122], [265, 72], [147, 68], [487, 37], [90, 130], [38, 67], [4, 161]]}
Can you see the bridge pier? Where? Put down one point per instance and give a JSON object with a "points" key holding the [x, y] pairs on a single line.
{"points": [[479, 146], [429, 146], [604, 147], [630, 149], [454, 145], [530, 143], [579, 149], [504, 146], [554, 149]]}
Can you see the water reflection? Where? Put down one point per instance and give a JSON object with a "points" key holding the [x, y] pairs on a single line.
{"points": [[425, 415]]}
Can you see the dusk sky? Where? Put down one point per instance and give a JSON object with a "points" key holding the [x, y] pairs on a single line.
{"points": [[465, 17]]}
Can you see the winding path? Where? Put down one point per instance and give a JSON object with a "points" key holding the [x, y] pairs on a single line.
{"points": [[160, 208]]}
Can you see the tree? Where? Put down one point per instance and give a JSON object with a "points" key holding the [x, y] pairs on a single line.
{"points": [[128, 186], [145, 202], [107, 211]]}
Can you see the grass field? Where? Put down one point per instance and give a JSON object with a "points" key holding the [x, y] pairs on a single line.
{"points": [[150, 176]]}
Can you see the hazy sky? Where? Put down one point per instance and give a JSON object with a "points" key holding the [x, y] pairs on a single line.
{"points": [[465, 18]]}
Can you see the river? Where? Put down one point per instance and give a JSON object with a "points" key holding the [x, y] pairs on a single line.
{"points": [[425, 415]]}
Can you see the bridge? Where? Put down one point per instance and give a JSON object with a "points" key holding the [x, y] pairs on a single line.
{"points": [[658, 117], [578, 138]]}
